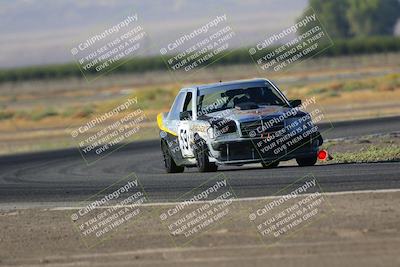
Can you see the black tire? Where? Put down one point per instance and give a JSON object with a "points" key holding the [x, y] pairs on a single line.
{"points": [[169, 163], [270, 165], [202, 161], [307, 161]]}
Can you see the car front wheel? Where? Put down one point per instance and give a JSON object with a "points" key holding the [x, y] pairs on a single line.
{"points": [[202, 160], [307, 161], [270, 165]]}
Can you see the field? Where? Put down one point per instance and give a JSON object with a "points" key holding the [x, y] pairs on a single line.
{"points": [[363, 233], [35, 115]]}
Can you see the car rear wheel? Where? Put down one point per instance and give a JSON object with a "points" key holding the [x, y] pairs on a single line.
{"points": [[307, 161], [270, 164], [169, 163], [202, 160]]}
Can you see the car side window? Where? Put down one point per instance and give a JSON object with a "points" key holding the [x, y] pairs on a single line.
{"points": [[187, 106], [176, 107]]}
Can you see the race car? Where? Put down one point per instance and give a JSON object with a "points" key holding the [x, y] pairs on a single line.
{"points": [[236, 123]]}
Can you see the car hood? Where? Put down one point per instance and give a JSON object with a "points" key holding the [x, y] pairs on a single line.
{"points": [[250, 114]]}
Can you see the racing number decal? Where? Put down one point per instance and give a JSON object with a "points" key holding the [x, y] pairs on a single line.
{"points": [[184, 139]]}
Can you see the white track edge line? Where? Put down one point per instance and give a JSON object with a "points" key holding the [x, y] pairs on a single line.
{"points": [[242, 199]]}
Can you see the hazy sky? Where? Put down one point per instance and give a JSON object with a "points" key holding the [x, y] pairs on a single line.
{"points": [[44, 31]]}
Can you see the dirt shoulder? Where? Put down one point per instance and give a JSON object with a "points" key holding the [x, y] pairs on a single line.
{"points": [[370, 148], [362, 230]]}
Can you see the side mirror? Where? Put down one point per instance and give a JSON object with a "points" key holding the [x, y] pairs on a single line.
{"points": [[185, 115], [295, 103]]}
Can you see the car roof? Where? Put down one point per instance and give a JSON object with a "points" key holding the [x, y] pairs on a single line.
{"points": [[233, 84]]}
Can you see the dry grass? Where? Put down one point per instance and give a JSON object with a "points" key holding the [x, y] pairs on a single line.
{"points": [[346, 88]]}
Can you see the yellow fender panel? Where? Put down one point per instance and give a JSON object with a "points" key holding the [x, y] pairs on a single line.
{"points": [[161, 125]]}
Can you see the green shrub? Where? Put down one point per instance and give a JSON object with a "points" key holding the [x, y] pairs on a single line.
{"points": [[5, 115], [41, 114]]}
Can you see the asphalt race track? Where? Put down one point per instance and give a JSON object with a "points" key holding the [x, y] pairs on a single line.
{"points": [[62, 178]]}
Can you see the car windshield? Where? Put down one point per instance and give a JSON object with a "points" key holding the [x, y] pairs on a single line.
{"points": [[249, 98]]}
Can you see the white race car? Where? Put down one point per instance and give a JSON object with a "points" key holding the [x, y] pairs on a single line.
{"points": [[236, 123]]}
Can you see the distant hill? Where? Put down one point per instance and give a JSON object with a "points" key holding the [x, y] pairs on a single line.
{"points": [[43, 31]]}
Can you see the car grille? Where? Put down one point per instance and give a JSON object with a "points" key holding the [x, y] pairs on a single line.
{"points": [[249, 129]]}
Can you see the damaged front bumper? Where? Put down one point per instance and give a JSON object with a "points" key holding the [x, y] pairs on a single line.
{"points": [[254, 150]]}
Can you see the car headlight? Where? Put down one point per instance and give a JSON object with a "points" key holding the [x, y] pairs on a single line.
{"points": [[211, 132], [301, 123], [307, 121]]}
